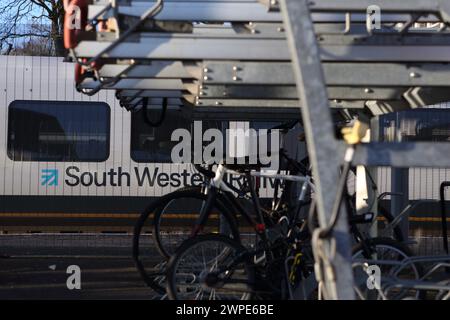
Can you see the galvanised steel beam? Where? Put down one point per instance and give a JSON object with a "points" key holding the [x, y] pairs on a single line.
{"points": [[188, 48], [219, 11], [137, 84], [322, 146], [244, 114], [245, 103], [441, 7], [262, 104], [336, 74], [267, 104], [155, 101], [196, 10], [404, 154], [240, 47], [149, 93], [272, 73], [290, 92], [157, 69], [418, 97]]}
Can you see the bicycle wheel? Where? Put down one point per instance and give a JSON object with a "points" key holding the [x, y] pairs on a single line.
{"points": [[391, 253], [174, 220], [396, 231], [169, 228], [207, 267]]}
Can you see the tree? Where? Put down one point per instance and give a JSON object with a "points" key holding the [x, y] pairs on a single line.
{"points": [[18, 20]]}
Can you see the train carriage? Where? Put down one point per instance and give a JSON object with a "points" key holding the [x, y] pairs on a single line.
{"points": [[71, 162]]}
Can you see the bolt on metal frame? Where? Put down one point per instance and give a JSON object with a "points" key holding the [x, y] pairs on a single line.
{"points": [[201, 85]]}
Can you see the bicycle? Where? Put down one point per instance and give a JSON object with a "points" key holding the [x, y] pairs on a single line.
{"points": [[268, 242], [162, 223], [216, 273], [155, 276], [162, 231]]}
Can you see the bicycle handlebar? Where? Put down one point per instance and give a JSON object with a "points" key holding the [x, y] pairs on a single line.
{"points": [[286, 126], [206, 172], [385, 194]]}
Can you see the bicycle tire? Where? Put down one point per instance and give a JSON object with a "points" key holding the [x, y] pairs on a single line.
{"points": [[398, 234], [173, 281], [152, 278], [194, 193]]}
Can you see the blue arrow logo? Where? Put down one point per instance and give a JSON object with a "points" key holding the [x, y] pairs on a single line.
{"points": [[49, 177]]}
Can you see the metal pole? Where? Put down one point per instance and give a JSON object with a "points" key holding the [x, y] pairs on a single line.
{"points": [[400, 184], [322, 147]]}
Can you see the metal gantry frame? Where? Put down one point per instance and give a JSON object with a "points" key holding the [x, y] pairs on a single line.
{"points": [[246, 61], [258, 58], [307, 66]]}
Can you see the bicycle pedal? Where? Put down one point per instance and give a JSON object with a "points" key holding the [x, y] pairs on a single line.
{"points": [[257, 260]]}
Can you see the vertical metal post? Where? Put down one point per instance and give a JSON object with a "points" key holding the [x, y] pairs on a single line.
{"points": [[366, 189], [373, 171], [400, 184], [322, 146], [373, 196]]}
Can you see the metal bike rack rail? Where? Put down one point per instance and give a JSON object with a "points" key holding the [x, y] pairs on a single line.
{"points": [[431, 265]]}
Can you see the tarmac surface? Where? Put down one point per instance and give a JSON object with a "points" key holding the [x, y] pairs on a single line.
{"points": [[35, 267]]}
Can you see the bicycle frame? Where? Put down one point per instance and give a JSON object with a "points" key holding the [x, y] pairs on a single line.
{"points": [[219, 186]]}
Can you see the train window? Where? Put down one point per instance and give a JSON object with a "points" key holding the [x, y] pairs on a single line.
{"points": [[58, 131], [149, 144]]}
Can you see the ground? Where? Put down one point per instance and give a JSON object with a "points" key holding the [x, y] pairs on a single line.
{"points": [[107, 270], [34, 266]]}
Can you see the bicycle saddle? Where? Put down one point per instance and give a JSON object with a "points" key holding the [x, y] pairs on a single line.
{"points": [[243, 165]]}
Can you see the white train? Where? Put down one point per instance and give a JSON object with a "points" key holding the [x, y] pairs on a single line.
{"points": [[66, 158], [69, 161]]}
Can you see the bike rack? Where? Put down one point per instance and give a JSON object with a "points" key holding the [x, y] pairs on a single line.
{"points": [[425, 282], [442, 188], [267, 58], [405, 212]]}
